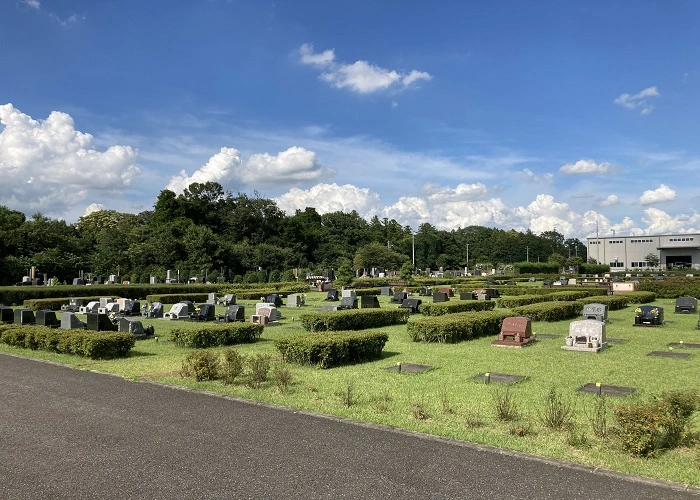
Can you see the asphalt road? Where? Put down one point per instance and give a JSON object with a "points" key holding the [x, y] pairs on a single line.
{"points": [[70, 434]]}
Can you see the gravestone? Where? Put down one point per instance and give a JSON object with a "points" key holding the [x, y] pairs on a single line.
{"points": [[205, 312], [275, 300], [268, 309], [47, 317], [412, 304], [228, 300], [211, 298], [607, 390], [233, 313], [294, 300], [24, 316], [328, 308], [586, 335], [399, 297], [369, 302], [105, 300], [332, 295], [135, 327], [492, 293], [154, 310], [191, 308], [595, 311], [258, 319], [78, 281], [686, 305], [348, 303], [90, 307], [74, 304], [100, 323], [448, 291], [110, 308], [547, 283], [466, 296], [516, 331], [482, 296], [7, 314], [178, 311], [348, 293], [440, 297], [425, 292], [649, 316], [69, 321], [532, 279], [270, 312], [385, 290]]}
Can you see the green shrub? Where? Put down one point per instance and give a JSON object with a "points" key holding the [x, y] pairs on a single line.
{"points": [[549, 311], [282, 377], [640, 297], [614, 302], [259, 365], [456, 327], [55, 303], [557, 412], [215, 334], [504, 405], [330, 349], [441, 308], [232, 366], [353, 319], [646, 427], [85, 343], [202, 365]]}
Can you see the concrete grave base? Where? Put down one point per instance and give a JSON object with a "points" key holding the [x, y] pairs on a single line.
{"points": [[583, 348], [501, 378], [409, 368], [545, 336], [608, 390], [512, 343], [670, 354]]}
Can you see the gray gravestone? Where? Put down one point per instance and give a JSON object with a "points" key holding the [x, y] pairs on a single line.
{"points": [[369, 302], [69, 321], [586, 335], [348, 303], [686, 305], [24, 316], [178, 311], [595, 311]]}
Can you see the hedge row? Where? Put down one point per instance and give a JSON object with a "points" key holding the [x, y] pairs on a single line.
{"points": [[174, 298], [671, 288], [85, 343], [353, 319], [332, 348], [614, 302], [55, 304], [524, 300], [442, 308], [640, 297], [549, 311], [456, 327], [211, 335]]}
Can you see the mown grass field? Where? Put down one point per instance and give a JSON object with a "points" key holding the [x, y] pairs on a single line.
{"points": [[445, 400]]}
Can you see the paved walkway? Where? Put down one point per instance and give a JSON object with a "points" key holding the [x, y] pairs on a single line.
{"points": [[70, 434]]}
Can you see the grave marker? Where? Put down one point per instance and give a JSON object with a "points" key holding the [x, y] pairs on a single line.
{"points": [[412, 304], [516, 331], [587, 335], [24, 316], [369, 302], [294, 300], [348, 303], [178, 311], [440, 297], [332, 295], [69, 321], [47, 317], [100, 323], [233, 313], [595, 311], [686, 305], [649, 316], [7, 314]]}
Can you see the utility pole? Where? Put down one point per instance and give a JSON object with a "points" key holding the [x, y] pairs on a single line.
{"points": [[467, 256], [527, 254]]}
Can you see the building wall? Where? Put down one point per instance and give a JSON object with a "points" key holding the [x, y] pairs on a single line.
{"points": [[625, 253]]}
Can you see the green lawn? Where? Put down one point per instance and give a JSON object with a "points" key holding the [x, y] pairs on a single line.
{"points": [[445, 401]]}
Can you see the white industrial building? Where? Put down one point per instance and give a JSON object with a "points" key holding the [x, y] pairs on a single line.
{"points": [[627, 253]]}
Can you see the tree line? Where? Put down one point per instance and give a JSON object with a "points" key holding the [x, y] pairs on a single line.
{"points": [[241, 238]]}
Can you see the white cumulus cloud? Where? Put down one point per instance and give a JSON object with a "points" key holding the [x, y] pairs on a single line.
{"points": [[49, 166], [662, 193], [610, 201], [327, 198], [294, 166], [585, 167], [639, 100], [360, 76]]}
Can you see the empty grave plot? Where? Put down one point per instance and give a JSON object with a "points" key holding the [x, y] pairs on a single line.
{"points": [[682, 345], [501, 378], [615, 341], [409, 368], [608, 390], [545, 336], [669, 354]]}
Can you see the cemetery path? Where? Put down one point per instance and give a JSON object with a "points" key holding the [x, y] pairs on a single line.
{"points": [[71, 434]]}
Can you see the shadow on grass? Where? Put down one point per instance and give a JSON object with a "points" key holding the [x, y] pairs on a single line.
{"points": [[140, 354]]}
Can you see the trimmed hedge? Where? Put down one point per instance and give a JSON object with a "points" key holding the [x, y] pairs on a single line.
{"points": [[524, 300], [332, 348], [55, 304], [671, 287], [639, 297], [614, 302], [442, 308], [85, 343], [453, 328], [353, 319], [549, 311], [211, 335], [174, 298]]}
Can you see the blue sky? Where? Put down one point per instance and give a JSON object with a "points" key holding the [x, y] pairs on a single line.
{"points": [[519, 115]]}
